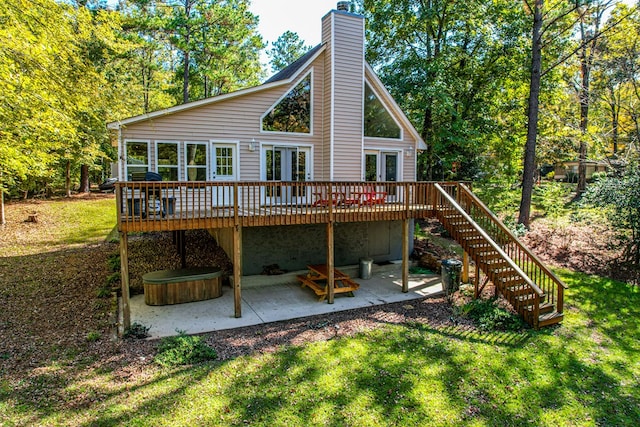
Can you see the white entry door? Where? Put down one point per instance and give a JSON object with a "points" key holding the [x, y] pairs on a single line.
{"points": [[224, 169]]}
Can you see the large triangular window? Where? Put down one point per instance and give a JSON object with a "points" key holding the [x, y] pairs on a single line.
{"points": [[378, 123], [293, 112]]}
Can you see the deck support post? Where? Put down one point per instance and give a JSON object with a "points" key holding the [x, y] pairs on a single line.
{"points": [[330, 263], [124, 279], [465, 267], [405, 255], [237, 270]]}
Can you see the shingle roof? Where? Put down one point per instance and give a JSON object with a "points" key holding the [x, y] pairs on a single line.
{"points": [[292, 68]]}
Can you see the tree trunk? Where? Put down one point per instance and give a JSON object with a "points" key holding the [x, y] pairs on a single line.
{"points": [[85, 186], [67, 179], [3, 220], [427, 126], [532, 116], [583, 95]]}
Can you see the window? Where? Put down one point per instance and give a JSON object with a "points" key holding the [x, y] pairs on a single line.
{"points": [[137, 158], [224, 161], [167, 160], [196, 160], [293, 112], [378, 122]]}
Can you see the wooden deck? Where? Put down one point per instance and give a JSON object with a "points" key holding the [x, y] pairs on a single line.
{"points": [[170, 206]]}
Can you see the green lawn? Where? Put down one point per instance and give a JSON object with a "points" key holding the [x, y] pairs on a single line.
{"points": [[584, 373]]}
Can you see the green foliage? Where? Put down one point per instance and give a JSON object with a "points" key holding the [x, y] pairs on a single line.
{"points": [[489, 316], [286, 50], [551, 198], [93, 336], [621, 195], [183, 350], [136, 331], [114, 262]]}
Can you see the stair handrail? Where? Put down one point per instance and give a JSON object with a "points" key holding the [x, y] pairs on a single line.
{"points": [[491, 242], [513, 238]]}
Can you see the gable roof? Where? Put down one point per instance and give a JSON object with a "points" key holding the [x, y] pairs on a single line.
{"points": [[285, 76], [292, 69]]}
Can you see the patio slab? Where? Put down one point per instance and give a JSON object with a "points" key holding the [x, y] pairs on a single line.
{"points": [[268, 299]]}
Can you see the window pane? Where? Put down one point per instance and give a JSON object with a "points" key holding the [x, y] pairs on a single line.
{"points": [[293, 113], [168, 154], [168, 173], [377, 120], [137, 153], [371, 167], [197, 154]]}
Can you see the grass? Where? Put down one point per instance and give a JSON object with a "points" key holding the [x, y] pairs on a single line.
{"points": [[62, 222], [584, 373]]}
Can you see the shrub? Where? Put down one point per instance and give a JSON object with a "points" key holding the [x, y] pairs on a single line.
{"points": [[93, 336], [183, 350], [489, 316], [114, 262], [621, 194], [136, 331]]}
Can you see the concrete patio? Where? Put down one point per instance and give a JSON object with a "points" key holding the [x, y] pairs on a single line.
{"points": [[275, 298]]}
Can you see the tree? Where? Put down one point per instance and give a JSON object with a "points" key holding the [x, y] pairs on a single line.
{"points": [[286, 49], [455, 67], [620, 195]]}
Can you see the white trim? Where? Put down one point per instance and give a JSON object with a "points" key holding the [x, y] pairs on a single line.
{"points": [[420, 144], [126, 157], [194, 104], [266, 145], [332, 96], [207, 164], [387, 109], [120, 162], [284, 95], [157, 163], [236, 158]]}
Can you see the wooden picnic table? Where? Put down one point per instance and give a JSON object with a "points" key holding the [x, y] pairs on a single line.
{"points": [[317, 280]]}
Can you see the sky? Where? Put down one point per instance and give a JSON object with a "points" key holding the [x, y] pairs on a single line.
{"points": [[300, 16]]}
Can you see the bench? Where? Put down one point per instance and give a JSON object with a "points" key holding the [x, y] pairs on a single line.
{"points": [[164, 287]]}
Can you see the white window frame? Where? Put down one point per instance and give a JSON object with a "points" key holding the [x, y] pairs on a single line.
{"points": [[235, 160], [126, 155], [176, 166], [207, 165], [389, 111], [311, 109]]}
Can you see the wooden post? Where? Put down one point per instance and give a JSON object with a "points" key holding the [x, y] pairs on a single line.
{"points": [[124, 280], [330, 262], [465, 267], [237, 269], [405, 255]]}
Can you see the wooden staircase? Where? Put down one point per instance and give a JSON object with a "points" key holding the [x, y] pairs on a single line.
{"points": [[531, 288]]}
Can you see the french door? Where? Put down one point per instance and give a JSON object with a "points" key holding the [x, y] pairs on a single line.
{"points": [[286, 164], [383, 166]]}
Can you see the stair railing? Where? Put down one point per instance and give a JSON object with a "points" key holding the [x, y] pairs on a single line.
{"points": [[537, 292], [532, 266]]}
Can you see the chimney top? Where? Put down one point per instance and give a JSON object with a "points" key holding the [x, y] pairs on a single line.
{"points": [[343, 5]]}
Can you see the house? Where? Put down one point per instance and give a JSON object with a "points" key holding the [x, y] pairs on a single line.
{"points": [[568, 171], [315, 166]]}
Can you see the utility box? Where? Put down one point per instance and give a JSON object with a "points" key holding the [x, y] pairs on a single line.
{"points": [[451, 269]]}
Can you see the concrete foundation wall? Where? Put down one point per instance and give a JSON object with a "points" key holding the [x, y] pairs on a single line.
{"points": [[293, 247]]}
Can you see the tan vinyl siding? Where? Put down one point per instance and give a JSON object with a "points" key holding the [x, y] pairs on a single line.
{"points": [[232, 120], [325, 152], [347, 45]]}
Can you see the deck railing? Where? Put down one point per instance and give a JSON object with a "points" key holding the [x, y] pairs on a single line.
{"points": [[552, 287], [166, 206]]}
